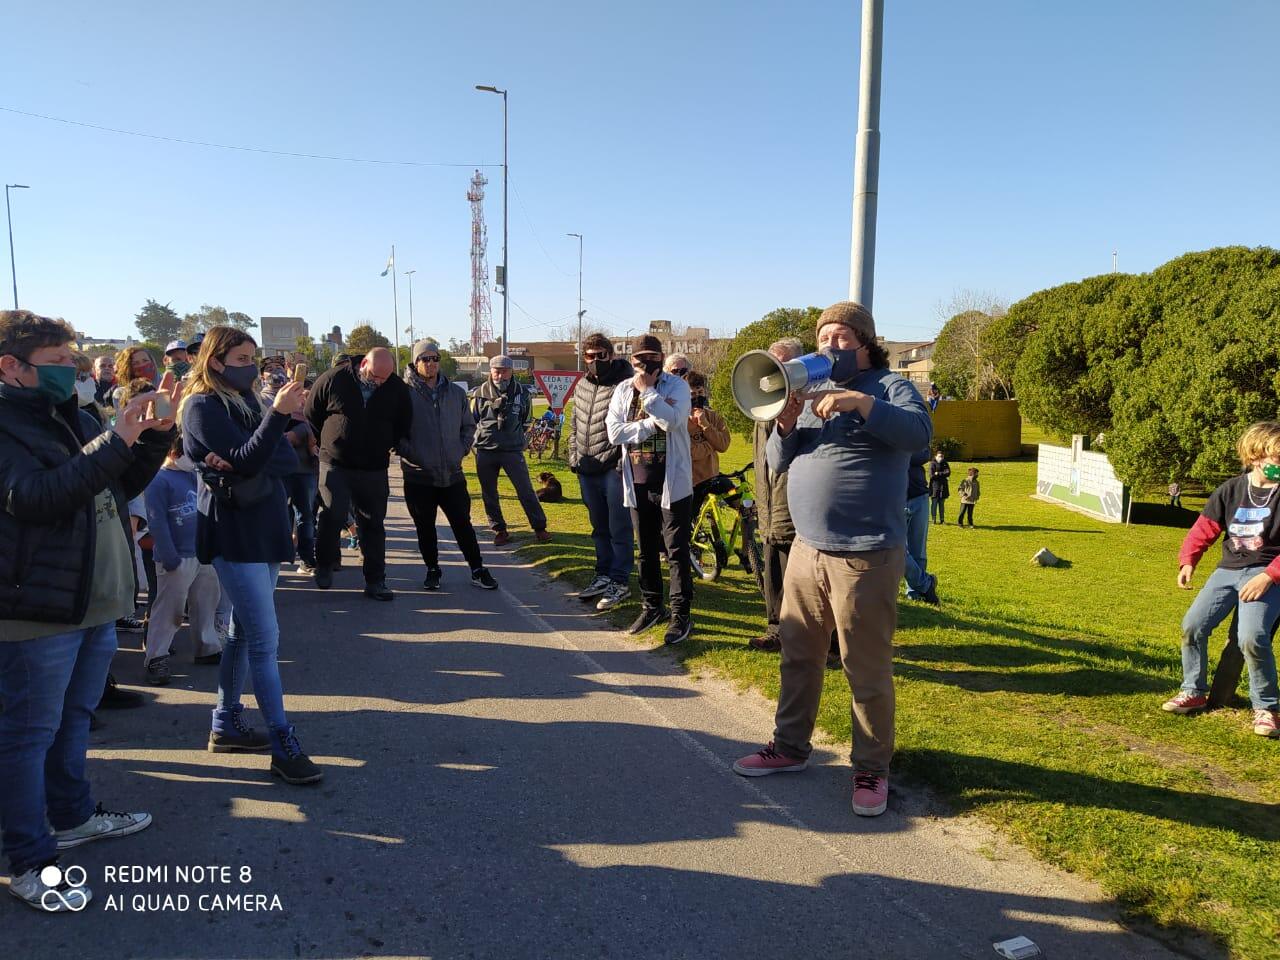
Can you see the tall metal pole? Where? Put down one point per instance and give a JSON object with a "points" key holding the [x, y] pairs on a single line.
{"points": [[506, 268], [409, 274], [506, 276], [395, 306], [579, 350], [13, 269], [866, 171]]}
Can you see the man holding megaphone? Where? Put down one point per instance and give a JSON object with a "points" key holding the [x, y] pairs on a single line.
{"points": [[846, 458]]}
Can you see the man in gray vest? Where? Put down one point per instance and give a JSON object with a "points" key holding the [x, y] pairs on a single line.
{"points": [[594, 458], [502, 409]]}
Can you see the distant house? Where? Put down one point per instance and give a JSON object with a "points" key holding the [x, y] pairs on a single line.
{"points": [[280, 334], [913, 359], [96, 345]]}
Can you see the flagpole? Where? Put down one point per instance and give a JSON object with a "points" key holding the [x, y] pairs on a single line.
{"points": [[395, 306]]}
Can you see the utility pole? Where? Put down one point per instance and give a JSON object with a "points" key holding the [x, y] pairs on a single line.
{"points": [[866, 171], [13, 269], [580, 310]]}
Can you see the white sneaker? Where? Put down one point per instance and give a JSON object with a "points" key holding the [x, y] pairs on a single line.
{"points": [[49, 889], [595, 588], [101, 824], [614, 594]]}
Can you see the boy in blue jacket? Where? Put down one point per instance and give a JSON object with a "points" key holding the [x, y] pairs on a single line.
{"points": [[182, 581]]}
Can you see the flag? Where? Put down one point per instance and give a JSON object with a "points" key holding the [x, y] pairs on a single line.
{"points": [[391, 264]]}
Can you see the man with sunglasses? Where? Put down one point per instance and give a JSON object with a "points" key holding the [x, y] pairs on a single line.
{"points": [[431, 461], [594, 458], [649, 418]]}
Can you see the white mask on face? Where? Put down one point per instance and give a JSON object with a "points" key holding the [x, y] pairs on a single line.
{"points": [[85, 391]]}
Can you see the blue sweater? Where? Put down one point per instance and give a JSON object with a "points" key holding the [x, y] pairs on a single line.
{"points": [[257, 534], [846, 477], [171, 516]]}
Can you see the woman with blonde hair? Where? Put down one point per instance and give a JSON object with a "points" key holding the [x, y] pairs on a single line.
{"points": [[134, 363], [243, 529]]}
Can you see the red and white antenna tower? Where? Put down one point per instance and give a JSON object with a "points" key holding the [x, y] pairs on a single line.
{"points": [[481, 311]]}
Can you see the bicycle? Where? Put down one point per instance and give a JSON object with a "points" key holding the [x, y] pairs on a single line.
{"points": [[710, 548], [541, 434]]}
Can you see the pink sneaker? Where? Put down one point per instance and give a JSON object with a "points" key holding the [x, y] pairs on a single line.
{"points": [[767, 760], [870, 794], [1264, 724], [1185, 703]]}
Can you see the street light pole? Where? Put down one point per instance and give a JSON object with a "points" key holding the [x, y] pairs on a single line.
{"points": [[506, 273], [866, 172], [412, 341], [580, 311], [13, 270]]}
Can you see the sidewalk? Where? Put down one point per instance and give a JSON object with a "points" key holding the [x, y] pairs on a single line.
{"points": [[504, 780]]}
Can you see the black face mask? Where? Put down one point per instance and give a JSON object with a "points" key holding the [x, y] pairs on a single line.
{"points": [[698, 401], [650, 367], [844, 363], [598, 368]]}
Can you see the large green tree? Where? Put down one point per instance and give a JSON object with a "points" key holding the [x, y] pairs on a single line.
{"points": [[158, 322], [1169, 367], [364, 338], [209, 316], [775, 325]]}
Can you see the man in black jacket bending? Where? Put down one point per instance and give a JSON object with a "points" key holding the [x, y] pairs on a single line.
{"points": [[66, 575], [360, 414]]}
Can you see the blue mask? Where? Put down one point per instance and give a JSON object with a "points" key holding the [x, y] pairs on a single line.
{"points": [[844, 363], [240, 379]]}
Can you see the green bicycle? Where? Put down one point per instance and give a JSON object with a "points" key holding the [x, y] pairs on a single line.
{"points": [[728, 514]]}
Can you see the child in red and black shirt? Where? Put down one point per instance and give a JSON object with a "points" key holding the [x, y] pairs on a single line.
{"points": [[1247, 509]]}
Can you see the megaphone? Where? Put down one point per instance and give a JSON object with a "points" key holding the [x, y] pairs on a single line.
{"points": [[761, 382]]}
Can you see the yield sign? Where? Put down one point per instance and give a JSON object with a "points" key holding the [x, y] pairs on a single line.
{"points": [[558, 386]]}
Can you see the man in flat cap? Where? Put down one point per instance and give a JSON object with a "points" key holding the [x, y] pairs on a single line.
{"points": [[502, 409]]}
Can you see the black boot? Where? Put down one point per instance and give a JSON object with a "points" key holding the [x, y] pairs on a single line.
{"points": [[289, 763], [237, 736]]}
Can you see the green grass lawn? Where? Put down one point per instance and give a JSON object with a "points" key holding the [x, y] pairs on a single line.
{"points": [[1031, 700]]}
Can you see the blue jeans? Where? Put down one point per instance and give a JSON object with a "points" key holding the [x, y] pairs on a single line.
{"points": [[50, 687], [251, 645], [918, 579], [301, 490], [610, 524], [1213, 604]]}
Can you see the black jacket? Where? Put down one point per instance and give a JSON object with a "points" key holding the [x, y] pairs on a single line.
{"points": [[590, 451], [939, 488], [51, 470], [352, 433], [501, 416]]}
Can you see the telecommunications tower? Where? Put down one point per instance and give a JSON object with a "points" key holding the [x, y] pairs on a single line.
{"points": [[481, 311]]}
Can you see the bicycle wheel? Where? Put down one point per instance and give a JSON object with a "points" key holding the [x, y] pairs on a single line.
{"points": [[706, 548]]}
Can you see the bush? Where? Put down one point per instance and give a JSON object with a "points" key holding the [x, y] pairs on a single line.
{"points": [[949, 446]]}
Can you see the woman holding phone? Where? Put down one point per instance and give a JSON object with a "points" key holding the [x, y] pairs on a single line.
{"points": [[243, 530]]}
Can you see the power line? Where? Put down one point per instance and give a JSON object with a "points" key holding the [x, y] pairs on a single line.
{"points": [[244, 149], [533, 230]]}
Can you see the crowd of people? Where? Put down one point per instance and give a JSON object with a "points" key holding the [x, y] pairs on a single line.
{"points": [[196, 482]]}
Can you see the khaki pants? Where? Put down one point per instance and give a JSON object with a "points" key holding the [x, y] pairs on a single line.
{"points": [[855, 594]]}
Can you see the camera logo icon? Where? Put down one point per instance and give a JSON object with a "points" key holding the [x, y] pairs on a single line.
{"points": [[57, 898]]}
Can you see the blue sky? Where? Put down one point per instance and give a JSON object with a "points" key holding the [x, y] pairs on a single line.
{"points": [[704, 149]]}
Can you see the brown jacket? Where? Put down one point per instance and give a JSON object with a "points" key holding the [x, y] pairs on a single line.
{"points": [[706, 444], [771, 493]]}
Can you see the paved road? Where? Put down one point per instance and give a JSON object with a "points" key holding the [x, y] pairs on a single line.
{"points": [[503, 779]]}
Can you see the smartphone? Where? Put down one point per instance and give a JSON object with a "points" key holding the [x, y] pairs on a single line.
{"points": [[162, 407], [300, 373]]}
